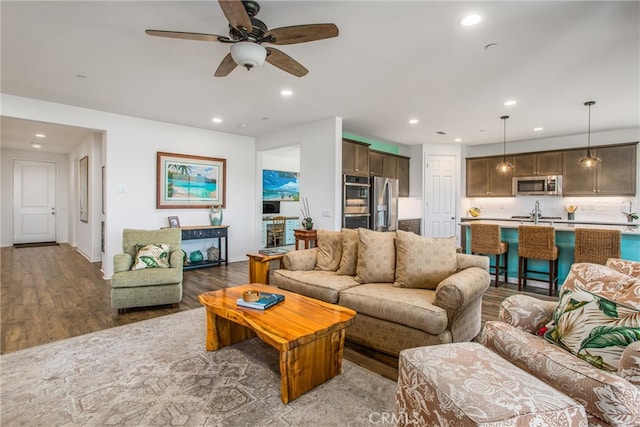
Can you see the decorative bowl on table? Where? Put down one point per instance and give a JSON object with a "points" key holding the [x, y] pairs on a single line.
{"points": [[251, 295]]}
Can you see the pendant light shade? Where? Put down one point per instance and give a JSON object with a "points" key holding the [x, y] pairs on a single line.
{"points": [[504, 166], [589, 161]]}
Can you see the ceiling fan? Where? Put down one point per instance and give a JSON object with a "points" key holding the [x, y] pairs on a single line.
{"points": [[247, 33]]}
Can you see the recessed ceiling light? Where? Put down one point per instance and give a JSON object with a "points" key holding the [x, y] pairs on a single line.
{"points": [[538, 129], [243, 125], [40, 135], [286, 92], [216, 120], [470, 20], [414, 121], [36, 145], [457, 140], [510, 102]]}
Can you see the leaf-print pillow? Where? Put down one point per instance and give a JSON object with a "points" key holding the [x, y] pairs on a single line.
{"points": [[152, 256], [596, 319]]}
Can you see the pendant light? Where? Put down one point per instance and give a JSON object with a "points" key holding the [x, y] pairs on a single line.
{"points": [[504, 166], [589, 161]]}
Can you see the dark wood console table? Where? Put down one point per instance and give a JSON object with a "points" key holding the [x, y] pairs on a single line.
{"points": [[207, 232]]}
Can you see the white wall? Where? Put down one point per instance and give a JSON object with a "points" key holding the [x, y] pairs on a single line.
{"points": [[130, 149], [7, 156], [320, 167]]}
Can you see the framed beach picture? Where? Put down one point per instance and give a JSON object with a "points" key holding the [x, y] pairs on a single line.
{"points": [[280, 185], [185, 182]]}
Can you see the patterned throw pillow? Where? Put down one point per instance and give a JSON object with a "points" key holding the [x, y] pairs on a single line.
{"points": [[349, 260], [598, 315], [152, 256], [630, 268], [376, 256], [423, 262], [329, 250]]}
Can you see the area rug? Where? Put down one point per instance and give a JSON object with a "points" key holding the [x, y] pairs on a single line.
{"points": [[157, 372]]}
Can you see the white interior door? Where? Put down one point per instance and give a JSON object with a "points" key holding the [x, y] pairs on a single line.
{"points": [[34, 201], [440, 196]]}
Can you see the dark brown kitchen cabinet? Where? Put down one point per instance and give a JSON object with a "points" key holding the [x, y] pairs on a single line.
{"points": [[376, 163], [355, 158], [403, 176], [484, 180], [614, 175], [391, 166], [533, 164]]}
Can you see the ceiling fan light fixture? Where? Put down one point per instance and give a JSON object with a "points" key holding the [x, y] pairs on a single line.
{"points": [[248, 54], [589, 161]]}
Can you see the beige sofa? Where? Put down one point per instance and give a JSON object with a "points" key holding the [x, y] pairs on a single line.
{"points": [[587, 346], [408, 290]]}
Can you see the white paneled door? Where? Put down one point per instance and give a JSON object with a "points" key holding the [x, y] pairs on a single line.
{"points": [[440, 196], [34, 201]]}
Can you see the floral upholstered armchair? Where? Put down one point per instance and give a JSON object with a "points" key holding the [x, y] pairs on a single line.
{"points": [[587, 344]]}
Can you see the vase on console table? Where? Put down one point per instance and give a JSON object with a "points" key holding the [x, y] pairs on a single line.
{"points": [[307, 223], [215, 214]]}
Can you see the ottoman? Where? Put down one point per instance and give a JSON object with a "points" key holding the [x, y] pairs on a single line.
{"points": [[466, 384]]}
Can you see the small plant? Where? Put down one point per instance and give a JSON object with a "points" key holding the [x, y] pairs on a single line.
{"points": [[631, 216], [307, 221]]}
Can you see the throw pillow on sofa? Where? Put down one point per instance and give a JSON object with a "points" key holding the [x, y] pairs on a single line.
{"points": [[423, 262], [349, 260], [598, 315], [376, 256], [329, 250], [152, 256]]}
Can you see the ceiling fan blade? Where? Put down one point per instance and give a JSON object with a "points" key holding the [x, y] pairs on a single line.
{"points": [[226, 66], [187, 36], [279, 59], [236, 14], [301, 33]]}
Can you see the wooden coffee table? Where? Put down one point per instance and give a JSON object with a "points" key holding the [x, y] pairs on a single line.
{"points": [[308, 333]]}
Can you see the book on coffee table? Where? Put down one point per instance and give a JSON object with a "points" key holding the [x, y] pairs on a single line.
{"points": [[273, 251], [266, 300]]}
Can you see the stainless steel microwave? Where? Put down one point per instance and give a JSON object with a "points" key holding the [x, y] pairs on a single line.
{"points": [[550, 185]]}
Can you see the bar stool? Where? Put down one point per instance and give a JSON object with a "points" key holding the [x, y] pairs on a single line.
{"points": [[537, 242], [596, 245], [485, 240]]}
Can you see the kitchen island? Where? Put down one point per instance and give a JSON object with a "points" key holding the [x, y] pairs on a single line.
{"points": [[565, 240]]}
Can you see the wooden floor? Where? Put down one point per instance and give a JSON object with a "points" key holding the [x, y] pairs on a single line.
{"points": [[51, 293]]}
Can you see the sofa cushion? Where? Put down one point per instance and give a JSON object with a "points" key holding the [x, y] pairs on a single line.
{"points": [[423, 262], [146, 277], [630, 268], [349, 259], [152, 256], [410, 307], [604, 394], [598, 314], [329, 250], [376, 256], [322, 285]]}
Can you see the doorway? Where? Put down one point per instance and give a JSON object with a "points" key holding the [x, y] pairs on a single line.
{"points": [[440, 190], [34, 201]]}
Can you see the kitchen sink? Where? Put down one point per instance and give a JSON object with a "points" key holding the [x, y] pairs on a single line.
{"points": [[531, 217]]}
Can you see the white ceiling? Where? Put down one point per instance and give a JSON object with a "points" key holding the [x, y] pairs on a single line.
{"points": [[393, 61]]}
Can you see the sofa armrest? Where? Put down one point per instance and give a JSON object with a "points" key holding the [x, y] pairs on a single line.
{"points": [[461, 288], [122, 262], [176, 259], [526, 313], [467, 261], [303, 260], [629, 366]]}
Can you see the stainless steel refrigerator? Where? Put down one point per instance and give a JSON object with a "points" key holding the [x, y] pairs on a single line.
{"points": [[384, 204]]}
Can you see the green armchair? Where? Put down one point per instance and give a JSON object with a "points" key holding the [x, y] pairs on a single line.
{"points": [[147, 286]]}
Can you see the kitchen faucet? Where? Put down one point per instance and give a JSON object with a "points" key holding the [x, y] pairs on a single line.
{"points": [[536, 212]]}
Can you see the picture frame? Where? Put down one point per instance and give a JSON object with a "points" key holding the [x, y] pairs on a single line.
{"points": [[174, 222], [83, 172], [280, 185], [189, 182]]}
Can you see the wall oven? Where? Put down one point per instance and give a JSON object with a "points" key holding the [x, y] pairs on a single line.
{"points": [[355, 201], [538, 185]]}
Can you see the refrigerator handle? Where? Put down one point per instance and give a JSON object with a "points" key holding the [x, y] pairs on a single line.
{"points": [[389, 195]]}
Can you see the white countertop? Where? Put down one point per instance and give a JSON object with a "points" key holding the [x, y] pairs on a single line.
{"points": [[560, 225]]}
